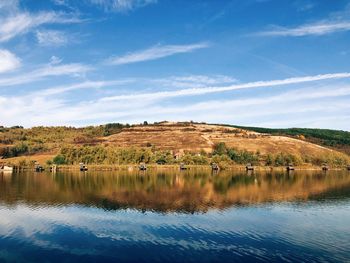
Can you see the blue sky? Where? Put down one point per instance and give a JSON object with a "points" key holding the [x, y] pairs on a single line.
{"points": [[265, 63]]}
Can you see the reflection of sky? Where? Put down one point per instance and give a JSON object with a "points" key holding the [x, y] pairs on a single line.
{"points": [[276, 231]]}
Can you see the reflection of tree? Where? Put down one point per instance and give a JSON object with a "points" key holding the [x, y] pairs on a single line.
{"points": [[168, 191], [223, 184]]}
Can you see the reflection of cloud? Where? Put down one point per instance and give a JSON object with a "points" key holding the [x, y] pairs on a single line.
{"points": [[243, 230]]}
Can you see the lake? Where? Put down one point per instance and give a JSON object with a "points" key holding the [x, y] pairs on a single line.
{"points": [[174, 216]]}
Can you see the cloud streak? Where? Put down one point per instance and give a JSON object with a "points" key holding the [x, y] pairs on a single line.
{"points": [[194, 81], [51, 38], [316, 29], [84, 85], [122, 5], [155, 52], [43, 72], [208, 90], [22, 23]]}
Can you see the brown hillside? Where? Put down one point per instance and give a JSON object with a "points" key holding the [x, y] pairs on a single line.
{"points": [[196, 137]]}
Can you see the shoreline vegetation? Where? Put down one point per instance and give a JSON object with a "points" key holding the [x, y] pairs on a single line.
{"points": [[226, 158], [95, 146]]}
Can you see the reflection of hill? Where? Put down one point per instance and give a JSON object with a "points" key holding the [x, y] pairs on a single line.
{"points": [[170, 191]]}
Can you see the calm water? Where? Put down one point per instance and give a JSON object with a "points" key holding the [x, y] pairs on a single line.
{"points": [[175, 217]]}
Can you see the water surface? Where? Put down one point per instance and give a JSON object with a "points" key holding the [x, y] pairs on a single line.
{"points": [[174, 216]]}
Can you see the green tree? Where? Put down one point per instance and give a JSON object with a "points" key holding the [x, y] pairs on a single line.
{"points": [[59, 159], [220, 149]]}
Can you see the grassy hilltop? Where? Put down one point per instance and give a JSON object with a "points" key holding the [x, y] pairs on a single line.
{"points": [[169, 143]]}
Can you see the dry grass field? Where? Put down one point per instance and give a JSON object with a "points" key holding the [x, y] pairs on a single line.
{"points": [[196, 137]]}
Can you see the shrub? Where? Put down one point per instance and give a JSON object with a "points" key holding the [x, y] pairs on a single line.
{"points": [[59, 159], [220, 148], [22, 163], [243, 157], [283, 159]]}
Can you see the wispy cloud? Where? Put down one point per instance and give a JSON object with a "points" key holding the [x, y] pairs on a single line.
{"points": [[8, 61], [316, 29], [303, 94], [156, 52], [84, 85], [183, 81], [8, 6], [45, 108], [192, 81], [18, 109], [51, 38], [22, 22], [122, 5], [208, 90], [304, 6], [73, 69], [195, 81]]}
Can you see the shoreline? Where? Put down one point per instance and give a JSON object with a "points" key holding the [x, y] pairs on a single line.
{"points": [[135, 167]]}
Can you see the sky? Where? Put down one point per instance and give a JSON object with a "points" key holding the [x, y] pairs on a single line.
{"points": [[268, 63]]}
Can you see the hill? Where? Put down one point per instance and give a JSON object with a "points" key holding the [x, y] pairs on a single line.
{"points": [[339, 140], [165, 142]]}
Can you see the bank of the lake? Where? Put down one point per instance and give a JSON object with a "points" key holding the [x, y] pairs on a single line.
{"points": [[136, 167]]}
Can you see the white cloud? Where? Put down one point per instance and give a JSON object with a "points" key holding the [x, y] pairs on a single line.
{"points": [[51, 38], [21, 23], [45, 108], [208, 90], [122, 5], [55, 60], [73, 69], [156, 52], [316, 29], [29, 111], [8, 61]]}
